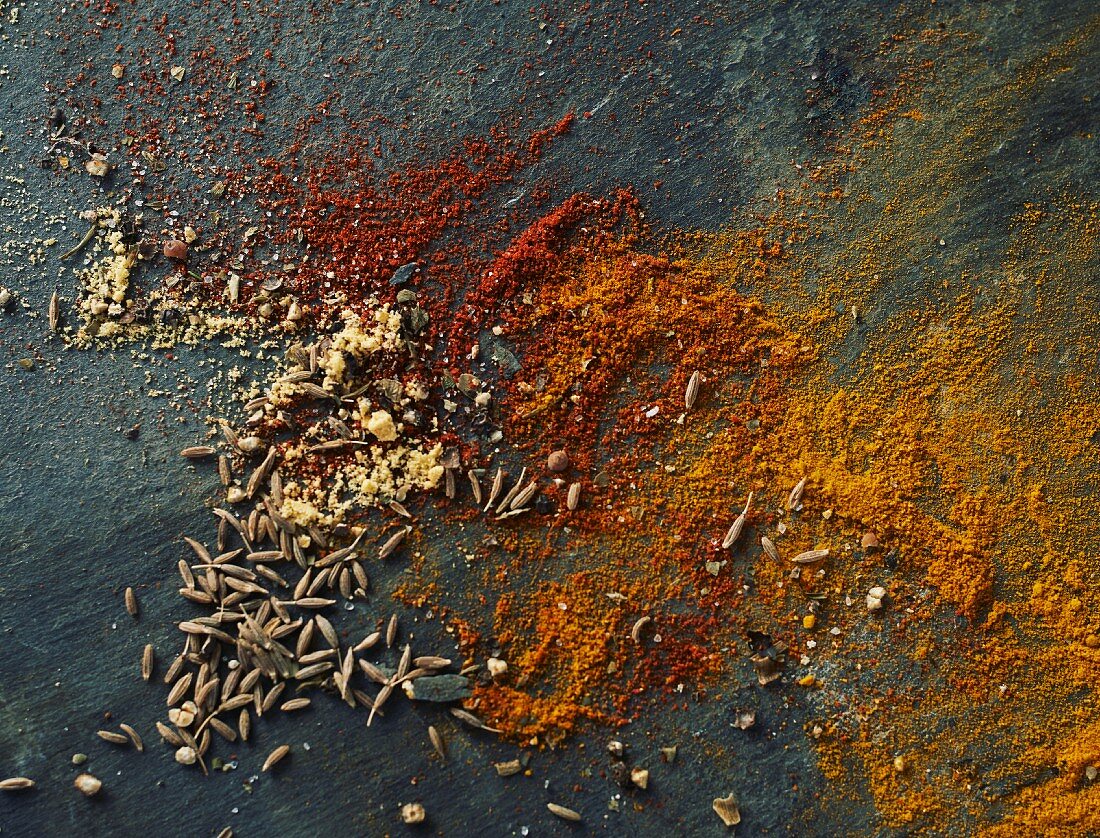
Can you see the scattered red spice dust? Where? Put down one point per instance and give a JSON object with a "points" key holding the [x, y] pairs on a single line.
{"points": [[354, 226]]}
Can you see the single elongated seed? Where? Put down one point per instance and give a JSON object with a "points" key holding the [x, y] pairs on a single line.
{"points": [[191, 627], [810, 556], [369, 641], [738, 525], [412, 675], [734, 532], [206, 691], [225, 470], [201, 597], [307, 672], [174, 669], [54, 311], [169, 735], [438, 742], [226, 833], [112, 737], [244, 587], [271, 576], [795, 497], [393, 542], [564, 813], [198, 452], [475, 486], [134, 736], [235, 703], [200, 550], [262, 471], [264, 556], [315, 390], [314, 602], [253, 484], [131, 602], [327, 631], [304, 639], [294, 704], [254, 526], [249, 681], [347, 669], [373, 672], [638, 627], [524, 497], [329, 445], [272, 696], [179, 690], [222, 729], [230, 434], [186, 574], [228, 556], [509, 768], [449, 483], [244, 724], [295, 377], [229, 685], [769, 548], [361, 576], [573, 499], [316, 657], [403, 664], [148, 658], [275, 482], [236, 571], [472, 720], [498, 484], [431, 662], [383, 696], [391, 631], [275, 756], [16, 784], [692, 391]]}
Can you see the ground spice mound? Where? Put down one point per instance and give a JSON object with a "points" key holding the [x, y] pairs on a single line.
{"points": [[608, 336]]}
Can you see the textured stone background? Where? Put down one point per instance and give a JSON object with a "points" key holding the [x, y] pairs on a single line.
{"points": [[716, 112]]}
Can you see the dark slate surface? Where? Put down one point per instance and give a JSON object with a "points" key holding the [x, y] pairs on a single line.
{"points": [[716, 112]]}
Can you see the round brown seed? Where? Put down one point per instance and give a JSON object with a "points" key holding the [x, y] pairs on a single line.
{"points": [[175, 249], [557, 461]]}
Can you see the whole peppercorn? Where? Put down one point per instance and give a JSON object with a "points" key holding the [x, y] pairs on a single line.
{"points": [[175, 249], [558, 461]]}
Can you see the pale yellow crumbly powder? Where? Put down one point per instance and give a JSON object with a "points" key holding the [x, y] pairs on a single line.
{"points": [[375, 473], [374, 476]]}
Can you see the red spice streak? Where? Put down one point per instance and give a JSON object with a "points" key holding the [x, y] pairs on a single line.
{"points": [[358, 226]]}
